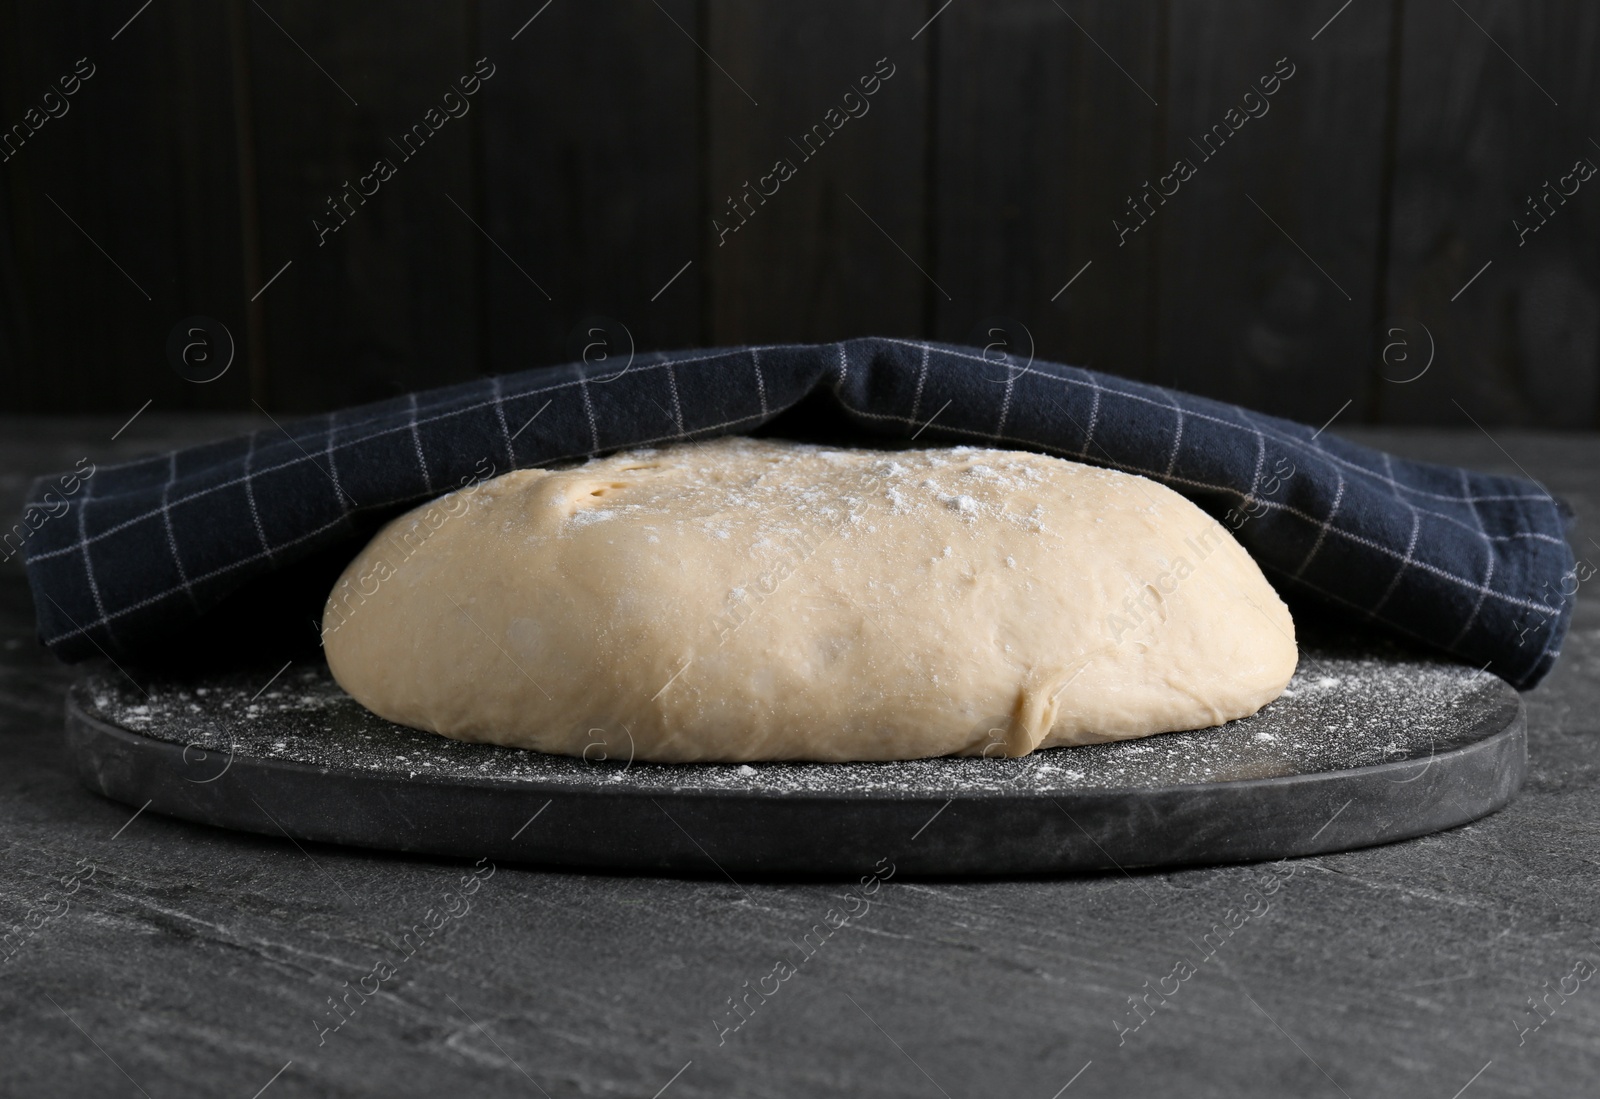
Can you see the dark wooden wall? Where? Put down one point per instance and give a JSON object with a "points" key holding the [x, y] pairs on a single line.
{"points": [[1292, 271]]}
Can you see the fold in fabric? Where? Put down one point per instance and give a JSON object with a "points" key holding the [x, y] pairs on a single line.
{"points": [[1474, 564]]}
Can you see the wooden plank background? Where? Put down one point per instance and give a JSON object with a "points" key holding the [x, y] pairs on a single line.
{"points": [[1315, 261]]}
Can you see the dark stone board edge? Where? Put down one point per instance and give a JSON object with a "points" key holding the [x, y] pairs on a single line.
{"points": [[809, 834]]}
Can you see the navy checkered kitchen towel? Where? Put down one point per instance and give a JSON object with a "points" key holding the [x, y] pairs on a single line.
{"points": [[1473, 564]]}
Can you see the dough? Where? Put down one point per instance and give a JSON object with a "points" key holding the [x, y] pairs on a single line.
{"points": [[748, 600]]}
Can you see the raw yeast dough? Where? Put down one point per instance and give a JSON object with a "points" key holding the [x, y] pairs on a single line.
{"points": [[748, 600]]}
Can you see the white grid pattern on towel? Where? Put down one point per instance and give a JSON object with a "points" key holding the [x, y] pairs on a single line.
{"points": [[343, 433]]}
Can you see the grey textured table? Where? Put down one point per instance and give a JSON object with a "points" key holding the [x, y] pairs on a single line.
{"points": [[193, 961]]}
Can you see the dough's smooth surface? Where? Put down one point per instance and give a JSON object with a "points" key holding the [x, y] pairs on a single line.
{"points": [[747, 600]]}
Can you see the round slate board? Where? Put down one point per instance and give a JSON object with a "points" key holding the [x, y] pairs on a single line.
{"points": [[1369, 744]]}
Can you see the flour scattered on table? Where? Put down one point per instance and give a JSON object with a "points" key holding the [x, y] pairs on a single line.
{"points": [[1343, 709]]}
